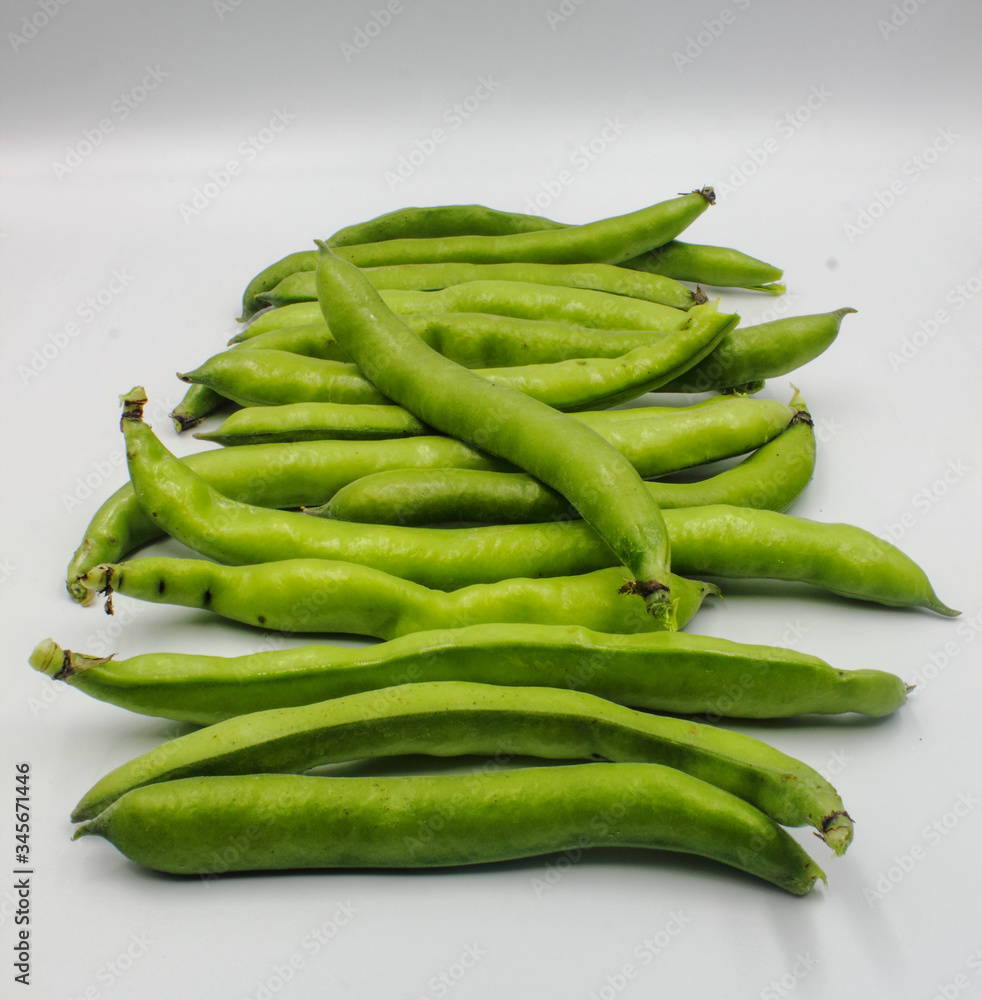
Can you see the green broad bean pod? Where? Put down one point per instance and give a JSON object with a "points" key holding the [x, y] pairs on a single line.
{"points": [[747, 355], [659, 671], [458, 718], [701, 264], [717, 540], [709, 265], [606, 241], [474, 340], [315, 422], [288, 821], [538, 439], [608, 278], [438, 220], [267, 377], [751, 353], [526, 300], [307, 473], [327, 596], [773, 478]]}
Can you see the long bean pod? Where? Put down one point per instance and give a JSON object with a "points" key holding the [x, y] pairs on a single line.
{"points": [[301, 821], [772, 478], [267, 377], [308, 473], [609, 278], [660, 671], [322, 595], [535, 437], [715, 540], [458, 718]]}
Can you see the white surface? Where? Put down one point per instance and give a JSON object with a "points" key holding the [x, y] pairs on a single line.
{"points": [[888, 433]]}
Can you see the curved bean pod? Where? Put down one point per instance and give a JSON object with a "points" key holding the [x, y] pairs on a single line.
{"points": [[525, 300], [717, 540], [267, 377], [509, 424], [606, 241], [751, 353], [316, 422], [773, 477], [457, 718], [307, 473], [299, 821], [608, 278], [697, 262], [474, 340], [439, 220], [709, 265], [322, 595], [747, 355], [659, 671]]}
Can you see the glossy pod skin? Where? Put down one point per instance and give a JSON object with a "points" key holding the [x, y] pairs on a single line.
{"points": [[474, 340], [719, 427], [288, 821], [265, 377], [321, 595], [606, 241], [751, 353], [457, 718], [701, 263], [709, 265], [439, 220], [659, 671], [563, 453], [316, 422], [746, 355], [300, 286], [715, 540], [526, 300], [310, 472], [772, 477]]}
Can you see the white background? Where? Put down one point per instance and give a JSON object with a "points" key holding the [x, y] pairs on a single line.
{"points": [[868, 198]]}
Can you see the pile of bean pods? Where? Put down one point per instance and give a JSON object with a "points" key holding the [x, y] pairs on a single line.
{"points": [[422, 449]]}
